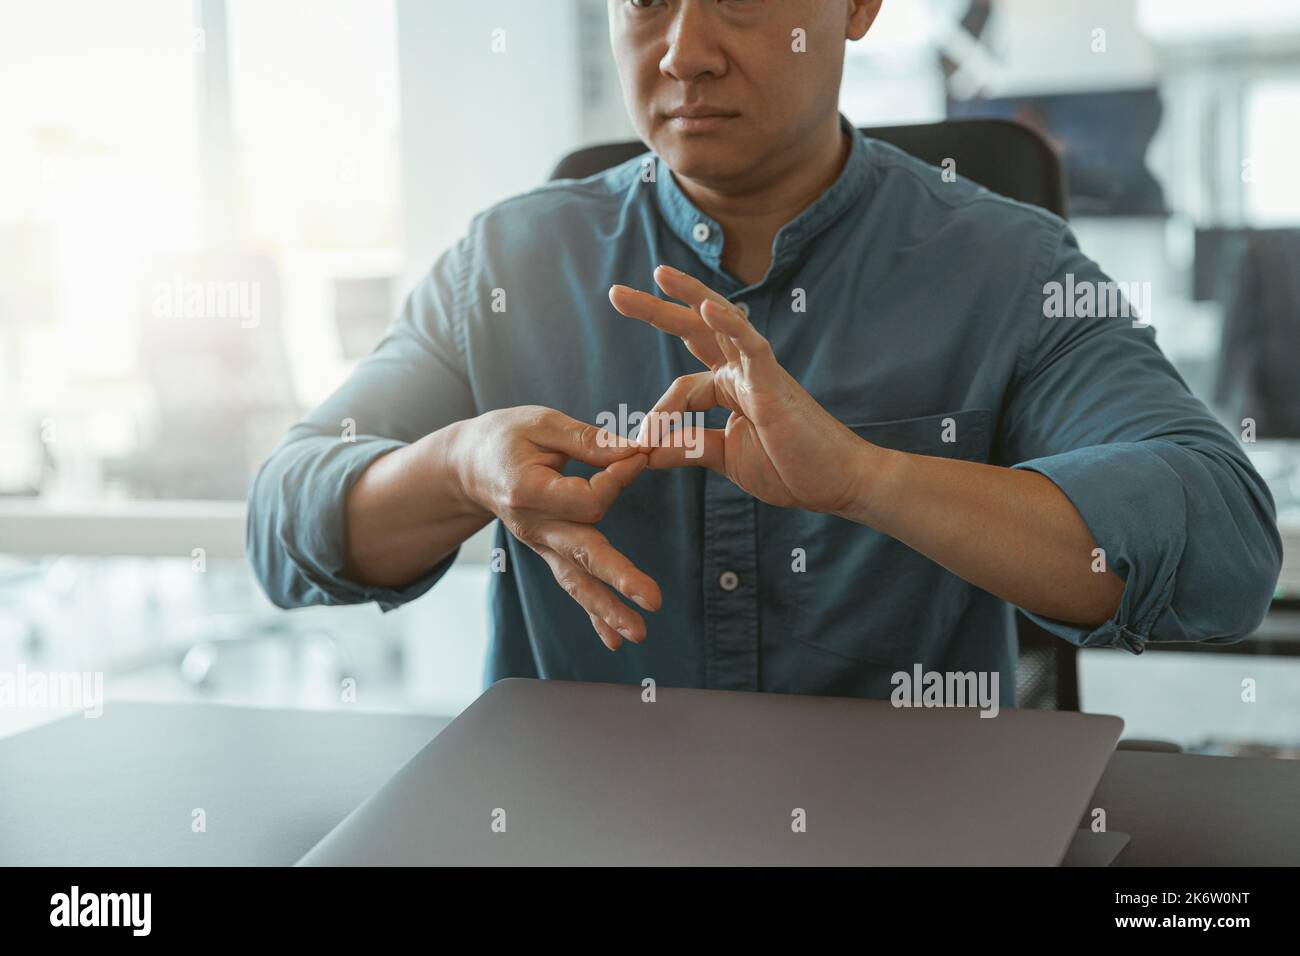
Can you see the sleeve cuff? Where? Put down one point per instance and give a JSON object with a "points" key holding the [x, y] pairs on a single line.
{"points": [[317, 547], [1133, 504]]}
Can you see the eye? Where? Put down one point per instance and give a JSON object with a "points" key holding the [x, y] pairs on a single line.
{"points": [[644, 4]]}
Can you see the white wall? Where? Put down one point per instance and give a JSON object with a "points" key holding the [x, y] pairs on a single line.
{"points": [[478, 125], [605, 116], [1216, 21], [1047, 46]]}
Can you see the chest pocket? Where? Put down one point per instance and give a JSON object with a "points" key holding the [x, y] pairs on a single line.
{"points": [[865, 596]]}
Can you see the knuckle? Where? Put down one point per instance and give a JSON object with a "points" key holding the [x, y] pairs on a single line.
{"points": [[514, 523], [603, 607], [570, 585], [536, 416], [683, 382], [515, 498]]}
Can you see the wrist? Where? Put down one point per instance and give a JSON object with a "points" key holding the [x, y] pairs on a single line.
{"points": [[877, 474], [448, 465]]}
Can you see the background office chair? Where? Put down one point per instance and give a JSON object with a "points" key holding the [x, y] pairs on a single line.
{"points": [[1008, 158], [1013, 161]]}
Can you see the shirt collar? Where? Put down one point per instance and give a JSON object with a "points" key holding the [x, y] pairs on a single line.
{"points": [[703, 234]]}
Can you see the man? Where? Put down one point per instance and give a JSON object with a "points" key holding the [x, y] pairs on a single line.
{"points": [[899, 445]]}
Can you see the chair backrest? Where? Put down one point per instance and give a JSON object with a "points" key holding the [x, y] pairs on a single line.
{"points": [[1005, 157], [1012, 160], [1047, 670]]}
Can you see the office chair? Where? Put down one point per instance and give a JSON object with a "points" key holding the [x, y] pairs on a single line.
{"points": [[1014, 161], [1259, 354], [1006, 157]]}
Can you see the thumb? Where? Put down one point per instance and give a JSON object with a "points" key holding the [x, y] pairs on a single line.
{"points": [[625, 471], [611, 482], [584, 442]]}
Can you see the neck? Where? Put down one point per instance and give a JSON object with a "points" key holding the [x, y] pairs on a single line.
{"points": [[752, 212]]}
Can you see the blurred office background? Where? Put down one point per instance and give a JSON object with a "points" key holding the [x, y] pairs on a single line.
{"points": [[308, 159]]}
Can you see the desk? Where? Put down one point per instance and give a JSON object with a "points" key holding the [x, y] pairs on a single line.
{"points": [[1188, 810], [121, 789], [146, 528]]}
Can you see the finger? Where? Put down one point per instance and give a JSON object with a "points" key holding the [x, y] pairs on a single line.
{"points": [[726, 345], [731, 322], [686, 288], [574, 498], [544, 491], [608, 484], [578, 586], [691, 447], [623, 472], [756, 355], [688, 393], [591, 551], [678, 320], [594, 598], [579, 440], [608, 636], [569, 497]]}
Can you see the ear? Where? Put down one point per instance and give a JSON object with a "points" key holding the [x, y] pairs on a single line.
{"points": [[862, 14]]}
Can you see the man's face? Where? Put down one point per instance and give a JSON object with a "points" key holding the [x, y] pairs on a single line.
{"points": [[721, 88]]}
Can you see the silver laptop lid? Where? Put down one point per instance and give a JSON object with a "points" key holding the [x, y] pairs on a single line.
{"points": [[560, 773]]}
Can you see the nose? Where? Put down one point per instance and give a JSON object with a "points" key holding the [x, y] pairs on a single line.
{"points": [[693, 51]]}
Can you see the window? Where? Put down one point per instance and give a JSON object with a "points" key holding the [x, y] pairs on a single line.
{"points": [[316, 122], [223, 143], [1272, 138]]}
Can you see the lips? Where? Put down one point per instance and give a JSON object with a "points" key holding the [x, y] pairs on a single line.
{"points": [[698, 112], [699, 119]]}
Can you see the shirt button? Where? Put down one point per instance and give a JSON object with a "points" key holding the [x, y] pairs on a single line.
{"points": [[728, 581], [701, 232]]}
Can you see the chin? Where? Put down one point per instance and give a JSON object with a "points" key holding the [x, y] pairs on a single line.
{"points": [[703, 158]]}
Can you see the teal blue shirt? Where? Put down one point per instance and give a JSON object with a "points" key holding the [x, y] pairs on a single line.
{"points": [[914, 309]]}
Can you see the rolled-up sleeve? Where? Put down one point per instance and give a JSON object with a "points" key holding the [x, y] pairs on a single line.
{"points": [[413, 383], [1167, 493]]}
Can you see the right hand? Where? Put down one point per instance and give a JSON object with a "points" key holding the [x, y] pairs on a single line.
{"points": [[508, 464]]}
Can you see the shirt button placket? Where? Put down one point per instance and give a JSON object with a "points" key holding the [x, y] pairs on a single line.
{"points": [[731, 595], [730, 586]]}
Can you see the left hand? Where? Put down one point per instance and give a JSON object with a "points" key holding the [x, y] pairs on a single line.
{"points": [[779, 444]]}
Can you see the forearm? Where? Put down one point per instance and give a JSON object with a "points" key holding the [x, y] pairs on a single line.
{"points": [[406, 513], [1012, 533]]}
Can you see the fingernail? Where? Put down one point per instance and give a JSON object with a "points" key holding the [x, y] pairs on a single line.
{"points": [[671, 271], [641, 602], [627, 634]]}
